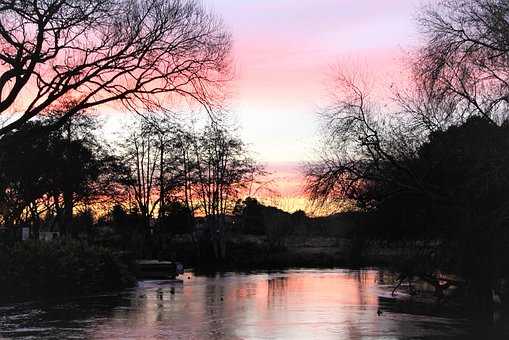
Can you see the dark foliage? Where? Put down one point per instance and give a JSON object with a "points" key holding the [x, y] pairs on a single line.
{"points": [[35, 269]]}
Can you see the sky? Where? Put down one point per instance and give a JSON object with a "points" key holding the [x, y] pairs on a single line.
{"points": [[284, 54]]}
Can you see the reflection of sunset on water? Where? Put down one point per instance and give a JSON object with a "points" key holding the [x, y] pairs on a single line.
{"points": [[303, 304]]}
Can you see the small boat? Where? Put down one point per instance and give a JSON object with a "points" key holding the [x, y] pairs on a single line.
{"points": [[154, 269]]}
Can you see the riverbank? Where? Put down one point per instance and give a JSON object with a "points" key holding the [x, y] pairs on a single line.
{"points": [[71, 268], [251, 252], [39, 269]]}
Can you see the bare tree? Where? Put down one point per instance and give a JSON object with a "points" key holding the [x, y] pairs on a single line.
{"points": [[362, 145], [141, 156], [164, 131], [205, 170], [158, 173], [124, 52], [223, 171], [464, 61]]}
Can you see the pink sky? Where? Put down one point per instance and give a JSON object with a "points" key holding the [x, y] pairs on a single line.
{"points": [[284, 55], [284, 51]]}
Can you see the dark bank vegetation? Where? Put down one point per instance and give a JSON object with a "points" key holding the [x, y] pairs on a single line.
{"points": [[35, 269], [435, 168]]}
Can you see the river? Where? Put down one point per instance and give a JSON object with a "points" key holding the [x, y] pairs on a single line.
{"points": [[293, 304]]}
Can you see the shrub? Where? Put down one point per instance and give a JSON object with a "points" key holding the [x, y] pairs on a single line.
{"points": [[35, 269]]}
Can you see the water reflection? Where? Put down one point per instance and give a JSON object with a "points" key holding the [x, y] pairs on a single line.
{"points": [[277, 292], [304, 304]]}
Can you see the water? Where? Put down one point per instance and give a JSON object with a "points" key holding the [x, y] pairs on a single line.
{"points": [[294, 304]]}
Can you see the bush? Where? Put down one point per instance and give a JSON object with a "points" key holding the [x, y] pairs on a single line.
{"points": [[35, 269]]}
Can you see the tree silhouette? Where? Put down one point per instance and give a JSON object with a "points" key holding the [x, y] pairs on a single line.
{"points": [[443, 181], [463, 68], [45, 175], [223, 169], [133, 53]]}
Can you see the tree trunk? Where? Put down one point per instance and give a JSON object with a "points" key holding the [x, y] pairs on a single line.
{"points": [[222, 241], [162, 206], [68, 208], [68, 193], [479, 270], [36, 222], [481, 295]]}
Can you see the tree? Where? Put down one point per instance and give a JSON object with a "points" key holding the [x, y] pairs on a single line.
{"points": [[363, 148], [128, 52], [23, 184], [417, 176], [464, 60], [67, 173], [170, 166], [223, 171], [88, 173], [184, 145], [141, 157], [252, 221], [178, 220], [150, 153], [277, 227], [468, 165]]}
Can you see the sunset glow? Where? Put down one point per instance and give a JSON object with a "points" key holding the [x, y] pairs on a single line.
{"points": [[284, 54]]}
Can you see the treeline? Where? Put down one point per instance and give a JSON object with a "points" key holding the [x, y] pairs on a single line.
{"points": [[157, 178], [255, 218]]}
